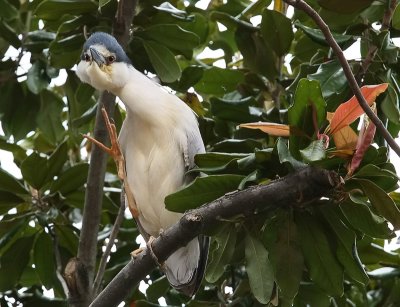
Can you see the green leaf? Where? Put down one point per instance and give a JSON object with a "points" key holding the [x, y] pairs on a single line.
{"points": [[34, 170], [43, 260], [259, 269], [362, 218], [257, 55], [67, 238], [346, 250], [311, 295], [9, 183], [163, 61], [202, 190], [13, 262], [285, 156], [9, 34], [235, 110], [277, 31], [308, 97], [8, 11], [314, 152], [70, 180], [157, 289], [219, 81], [49, 118], [222, 253], [8, 201], [383, 178], [331, 77], [37, 79], [173, 37], [381, 201], [103, 3], [390, 105], [323, 267], [396, 18], [344, 6], [57, 160], [55, 9], [317, 36], [287, 260]]}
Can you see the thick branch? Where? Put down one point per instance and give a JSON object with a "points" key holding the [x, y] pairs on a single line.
{"points": [[300, 4], [87, 250], [295, 190]]}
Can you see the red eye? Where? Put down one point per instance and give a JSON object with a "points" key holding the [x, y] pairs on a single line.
{"points": [[110, 59], [86, 57]]}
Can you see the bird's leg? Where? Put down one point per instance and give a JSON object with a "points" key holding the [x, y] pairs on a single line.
{"points": [[116, 153], [149, 246]]}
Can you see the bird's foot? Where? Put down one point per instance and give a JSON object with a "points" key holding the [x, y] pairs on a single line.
{"points": [[115, 152], [149, 246]]}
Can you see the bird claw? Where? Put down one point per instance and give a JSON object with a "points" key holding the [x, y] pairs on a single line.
{"points": [[115, 151], [149, 246]]}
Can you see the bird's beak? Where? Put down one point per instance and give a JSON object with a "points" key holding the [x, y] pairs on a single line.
{"points": [[97, 57]]}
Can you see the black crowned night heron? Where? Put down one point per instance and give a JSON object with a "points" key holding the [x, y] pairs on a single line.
{"points": [[159, 139]]}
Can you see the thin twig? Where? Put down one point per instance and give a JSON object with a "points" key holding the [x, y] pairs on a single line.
{"points": [[300, 4], [111, 240], [373, 49], [59, 266]]}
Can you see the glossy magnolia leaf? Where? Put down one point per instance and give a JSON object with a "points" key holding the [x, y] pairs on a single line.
{"points": [[171, 36], [385, 179], [54, 9], [311, 295], [344, 6], [71, 179], [373, 254], [9, 34], [34, 170], [346, 250], [103, 3], [362, 218], [218, 81], [350, 110], [37, 79], [396, 18], [287, 260], [163, 61], [270, 128], [277, 31], [317, 36], [43, 260], [13, 262], [215, 161], [202, 190], [259, 269], [8, 11], [390, 106], [67, 238], [49, 118], [285, 156], [382, 202], [157, 289], [314, 152], [241, 110], [258, 56], [307, 101], [9, 183], [331, 77], [323, 267], [222, 254]]}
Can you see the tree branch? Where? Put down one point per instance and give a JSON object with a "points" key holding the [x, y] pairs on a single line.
{"points": [[111, 239], [87, 250], [299, 189], [300, 4]]}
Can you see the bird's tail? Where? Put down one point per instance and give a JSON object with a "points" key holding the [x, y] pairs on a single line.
{"points": [[185, 267]]}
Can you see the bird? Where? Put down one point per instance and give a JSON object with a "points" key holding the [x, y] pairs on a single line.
{"points": [[158, 139]]}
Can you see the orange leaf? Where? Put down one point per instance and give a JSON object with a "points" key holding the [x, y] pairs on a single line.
{"points": [[345, 138], [350, 110], [270, 128], [341, 153]]}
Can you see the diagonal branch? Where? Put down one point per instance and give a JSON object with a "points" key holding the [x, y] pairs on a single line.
{"points": [[300, 4], [299, 190]]}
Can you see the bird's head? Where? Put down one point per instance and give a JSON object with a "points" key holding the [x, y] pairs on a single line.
{"points": [[104, 64]]}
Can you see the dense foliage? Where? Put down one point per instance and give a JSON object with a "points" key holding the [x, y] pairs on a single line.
{"points": [[270, 68]]}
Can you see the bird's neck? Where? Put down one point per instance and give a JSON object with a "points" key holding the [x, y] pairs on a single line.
{"points": [[142, 97]]}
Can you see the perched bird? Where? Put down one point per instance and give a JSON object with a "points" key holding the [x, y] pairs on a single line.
{"points": [[159, 139]]}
